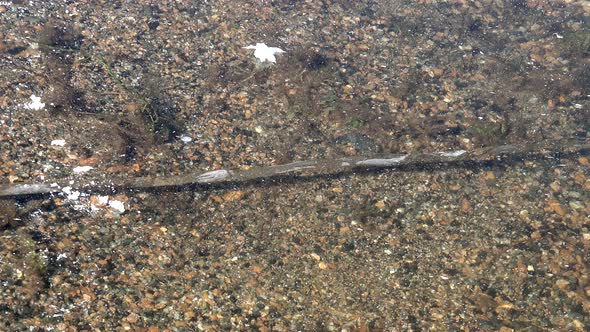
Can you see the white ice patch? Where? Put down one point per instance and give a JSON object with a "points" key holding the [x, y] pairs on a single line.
{"points": [[103, 200], [35, 103], [82, 169], [452, 153], [58, 142], [118, 206], [382, 162], [213, 176], [71, 194], [264, 53]]}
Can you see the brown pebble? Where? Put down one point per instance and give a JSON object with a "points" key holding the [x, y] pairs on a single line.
{"points": [[485, 302], [380, 205], [133, 107], [337, 189], [92, 161], [216, 198], [444, 222], [562, 284], [555, 187], [133, 318], [555, 207], [490, 175], [455, 187], [233, 195], [465, 205]]}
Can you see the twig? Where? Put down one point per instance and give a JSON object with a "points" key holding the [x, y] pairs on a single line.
{"points": [[303, 168]]}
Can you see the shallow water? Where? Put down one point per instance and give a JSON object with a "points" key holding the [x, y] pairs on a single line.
{"points": [[138, 89]]}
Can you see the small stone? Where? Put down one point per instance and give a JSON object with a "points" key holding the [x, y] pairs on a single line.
{"points": [[132, 108], [256, 269], [186, 139], [490, 175], [465, 205], [89, 162], [562, 284], [337, 190], [233, 195], [555, 187], [117, 205], [189, 314], [380, 205], [574, 194], [216, 198], [455, 187], [555, 207]]}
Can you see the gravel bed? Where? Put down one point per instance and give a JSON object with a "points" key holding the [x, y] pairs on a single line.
{"points": [[156, 88]]}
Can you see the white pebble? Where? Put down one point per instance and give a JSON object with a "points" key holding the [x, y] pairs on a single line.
{"points": [[58, 142], [35, 103], [186, 139], [82, 169]]}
